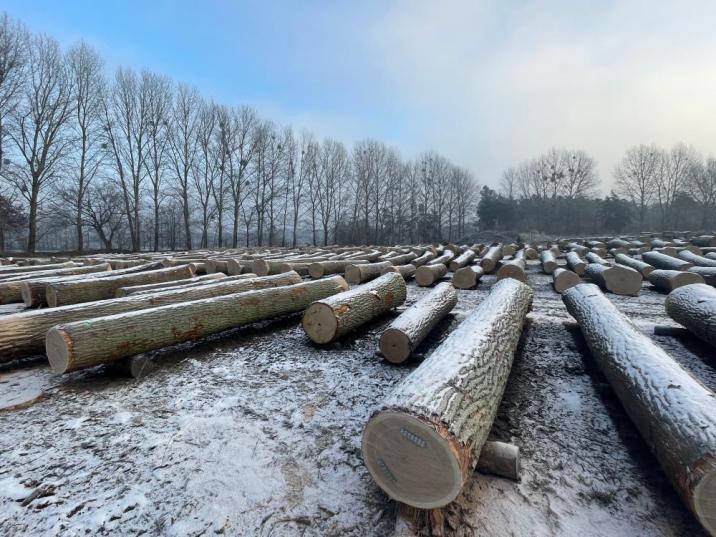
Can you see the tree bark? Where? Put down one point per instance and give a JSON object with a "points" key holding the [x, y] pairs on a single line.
{"points": [[675, 414], [593, 257], [404, 334], [617, 279], [462, 260], [644, 268], [669, 280], [179, 284], [696, 260], [11, 288], [88, 290], [444, 259], [514, 268], [548, 261], [467, 277], [663, 261], [18, 271], [424, 258], [707, 273], [23, 334], [694, 306], [33, 291], [427, 275], [704, 240], [424, 440], [563, 279], [575, 263], [323, 268], [327, 320], [364, 272], [152, 287], [83, 344], [406, 271]]}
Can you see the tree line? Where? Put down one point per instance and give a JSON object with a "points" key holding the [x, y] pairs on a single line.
{"points": [[655, 189], [138, 161]]}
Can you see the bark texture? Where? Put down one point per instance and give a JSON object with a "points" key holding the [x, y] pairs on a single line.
{"points": [[364, 272], [644, 268], [663, 261], [669, 280], [11, 288], [424, 440], [707, 273], [491, 258], [694, 306], [327, 320], [462, 260], [129, 290], [427, 275], [323, 268], [33, 291], [404, 334], [548, 261], [696, 260], [675, 414], [575, 263]]}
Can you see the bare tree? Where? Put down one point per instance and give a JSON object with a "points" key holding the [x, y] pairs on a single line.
{"points": [[102, 210], [702, 185], [636, 177], [241, 152], [206, 166], [671, 180], [333, 167], [14, 46]]}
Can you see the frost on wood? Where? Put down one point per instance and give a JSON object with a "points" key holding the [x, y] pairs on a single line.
{"points": [[491, 258], [663, 261], [330, 318], [424, 439], [671, 279], [515, 268], [23, 334], [694, 306], [707, 273], [644, 268], [404, 334], [563, 279], [548, 261], [575, 263], [696, 260], [675, 414], [91, 342]]}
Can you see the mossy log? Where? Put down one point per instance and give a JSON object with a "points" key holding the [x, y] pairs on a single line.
{"points": [[363, 272], [669, 280], [563, 279], [327, 320], [424, 440], [694, 306], [663, 261], [91, 342], [151, 287], [406, 271], [88, 290], [644, 268], [404, 334], [23, 334], [617, 279], [675, 414], [427, 275]]}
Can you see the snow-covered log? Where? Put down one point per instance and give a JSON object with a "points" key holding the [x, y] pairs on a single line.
{"points": [[663, 261], [575, 263], [675, 414], [669, 280], [563, 279], [514, 268], [707, 273], [326, 320], [83, 344], [23, 334], [617, 279], [490, 258], [429, 274], [467, 277], [704, 240], [696, 260], [625, 260], [402, 259], [89, 289], [593, 257], [694, 306], [404, 334], [324, 268], [462, 260], [424, 440], [406, 271], [364, 272], [548, 261]]}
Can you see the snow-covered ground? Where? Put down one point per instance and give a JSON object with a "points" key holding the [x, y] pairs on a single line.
{"points": [[257, 432]]}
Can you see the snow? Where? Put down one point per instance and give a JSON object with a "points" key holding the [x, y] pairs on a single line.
{"points": [[257, 432]]}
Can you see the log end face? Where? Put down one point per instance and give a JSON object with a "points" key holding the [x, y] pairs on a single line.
{"points": [[51, 296], [704, 497], [395, 346], [26, 293], [352, 274], [58, 346], [320, 323], [410, 461]]}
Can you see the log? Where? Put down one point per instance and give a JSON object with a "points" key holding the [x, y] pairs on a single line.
{"points": [[324, 268], [462, 260], [214, 266], [704, 240], [663, 261], [592, 257], [671, 279], [421, 260], [696, 260], [444, 259], [467, 277], [575, 263], [515, 268], [491, 258], [301, 268], [427, 275], [675, 414], [23, 334], [88, 343], [131, 289], [563, 279], [403, 259], [88, 290], [617, 279], [406, 271], [500, 459], [14, 269], [548, 261], [178, 283], [33, 291], [425, 438], [327, 320], [644, 268], [238, 266], [364, 272], [266, 267], [694, 306], [707, 273], [404, 334]]}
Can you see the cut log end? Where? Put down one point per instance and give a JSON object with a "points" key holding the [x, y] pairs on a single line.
{"points": [[395, 346], [320, 323], [705, 498], [59, 349], [411, 461]]}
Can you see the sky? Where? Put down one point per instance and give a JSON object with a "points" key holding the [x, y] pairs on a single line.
{"points": [[488, 84]]}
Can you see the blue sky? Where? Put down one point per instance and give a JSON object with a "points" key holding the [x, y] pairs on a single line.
{"points": [[487, 84]]}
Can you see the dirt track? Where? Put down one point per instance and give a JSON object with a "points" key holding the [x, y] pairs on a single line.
{"points": [[257, 432]]}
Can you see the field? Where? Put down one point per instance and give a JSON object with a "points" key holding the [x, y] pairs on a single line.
{"points": [[257, 432]]}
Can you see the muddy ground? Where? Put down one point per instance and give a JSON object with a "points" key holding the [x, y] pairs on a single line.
{"points": [[257, 432]]}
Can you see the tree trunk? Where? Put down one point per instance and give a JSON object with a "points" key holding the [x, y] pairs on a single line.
{"points": [[322, 268], [462, 260], [491, 258], [694, 306], [33, 291], [618, 279], [444, 259], [675, 414], [180, 284], [644, 268], [669, 280], [696, 260], [427, 275], [14, 270], [575, 263], [363, 272], [83, 344], [326, 320], [404, 334], [153, 287], [76, 291], [593, 257], [420, 261], [11, 288], [424, 441], [515, 268], [663, 261], [563, 279], [704, 240], [467, 277], [707, 273], [406, 271]]}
